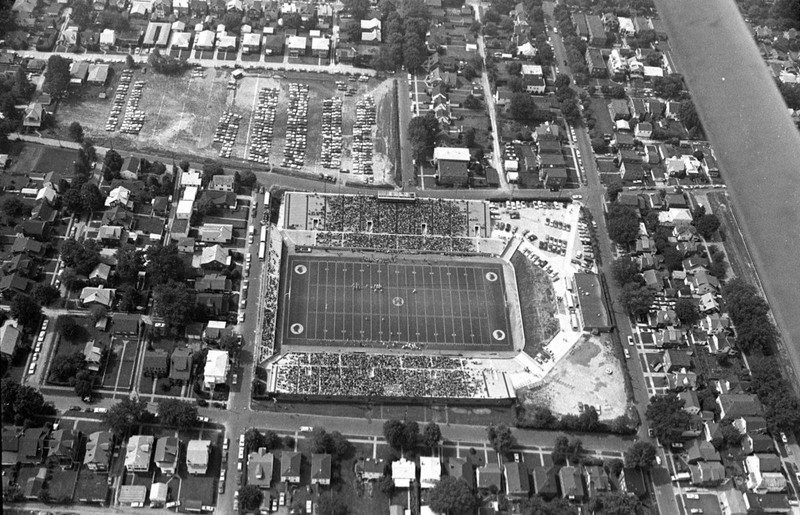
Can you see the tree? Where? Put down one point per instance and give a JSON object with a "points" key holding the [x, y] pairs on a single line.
{"points": [[123, 416], [637, 299], [250, 497], [358, 8], [232, 21], [247, 179], [73, 202], [500, 438], [640, 455], [75, 131], [667, 417], [393, 432], [669, 87], [522, 107], [179, 414], [618, 503], [623, 224], [45, 294], [514, 68], [253, 440], [451, 495], [205, 206], [22, 402], [625, 270], [431, 435], [113, 162], [565, 450], [472, 102], [173, 302], [617, 91], [164, 263], [93, 199], [707, 225], [25, 310], [130, 64], [13, 206], [56, 76], [687, 114], [84, 384], [129, 262], [82, 256], [687, 311], [210, 169], [332, 443], [613, 191], [421, 135]]}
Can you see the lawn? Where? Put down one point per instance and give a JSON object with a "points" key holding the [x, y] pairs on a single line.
{"points": [[62, 483], [537, 304]]}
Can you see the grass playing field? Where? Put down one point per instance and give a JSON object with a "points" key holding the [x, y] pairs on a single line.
{"points": [[357, 301]]}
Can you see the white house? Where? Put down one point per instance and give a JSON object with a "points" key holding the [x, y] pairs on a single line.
{"points": [[403, 473], [430, 471], [216, 369], [138, 453]]}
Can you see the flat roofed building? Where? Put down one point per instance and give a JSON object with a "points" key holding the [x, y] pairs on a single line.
{"points": [[197, 454], [593, 311]]}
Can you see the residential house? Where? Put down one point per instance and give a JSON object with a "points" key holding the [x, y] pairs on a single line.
{"points": [[138, 453], [99, 449], [516, 479], [10, 337], [213, 258], [197, 455], [259, 468], [764, 473], [489, 476], [216, 368], [701, 450], [321, 469], [460, 468], [572, 484], [100, 296], [707, 474], [180, 368], [735, 405], [93, 355], [216, 233], [166, 454], [64, 447], [545, 482], [596, 64], [767, 503], [430, 471], [13, 285], [370, 468], [597, 35], [597, 480], [632, 481], [451, 166], [132, 495], [691, 403], [156, 364], [403, 473], [675, 359], [290, 466], [34, 229]]}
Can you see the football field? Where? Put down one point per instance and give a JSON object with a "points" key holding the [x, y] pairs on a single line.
{"points": [[452, 303]]}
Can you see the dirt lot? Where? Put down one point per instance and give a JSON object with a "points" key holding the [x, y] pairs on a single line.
{"points": [[583, 376], [182, 113]]}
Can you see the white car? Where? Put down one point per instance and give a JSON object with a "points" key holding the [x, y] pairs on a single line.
{"points": [[204, 419], [783, 437], [306, 429], [35, 357], [225, 444], [241, 440], [32, 369], [627, 354], [630, 340]]}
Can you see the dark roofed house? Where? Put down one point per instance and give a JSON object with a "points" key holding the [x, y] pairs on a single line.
{"points": [[126, 325], [32, 445], [545, 482], [99, 449], [735, 405], [489, 476], [13, 285], [517, 482], [35, 229], [259, 468], [320, 469], [290, 466], [461, 468], [596, 480], [572, 484], [64, 448], [181, 365], [156, 363], [632, 481]]}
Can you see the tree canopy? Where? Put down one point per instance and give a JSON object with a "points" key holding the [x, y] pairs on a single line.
{"points": [[179, 414], [687, 312], [332, 443], [625, 270], [56, 76], [22, 402], [640, 455], [566, 450], [123, 416], [667, 417], [250, 497], [422, 135], [501, 438], [623, 224], [66, 366], [25, 310], [173, 302], [401, 435], [637, 299], [431, 435], [82, 256], [164, 263], [452, 496]]}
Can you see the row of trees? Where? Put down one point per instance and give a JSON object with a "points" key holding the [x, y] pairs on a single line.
{"points": [[406, 436], [575, 46], [123, 417], [405, 28], [23, 404], [15, 90], [749, 313], [166, 64], [541, 417]]}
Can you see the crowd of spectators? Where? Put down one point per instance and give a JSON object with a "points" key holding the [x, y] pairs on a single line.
{"points": [[267, 347], [356, 374], [365, 214], [394, 242]]}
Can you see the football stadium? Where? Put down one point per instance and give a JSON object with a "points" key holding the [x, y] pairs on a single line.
{"points": [[392, 296]]}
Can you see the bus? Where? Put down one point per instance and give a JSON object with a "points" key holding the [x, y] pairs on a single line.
{"points": [[262, 251], [263, 238]]}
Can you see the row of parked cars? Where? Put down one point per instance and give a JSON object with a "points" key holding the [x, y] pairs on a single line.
{"points": [[263, 125], [119, 100], [37, 347], [297, 127], [227, 129]]}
